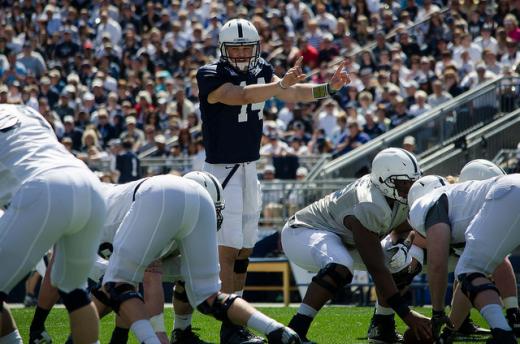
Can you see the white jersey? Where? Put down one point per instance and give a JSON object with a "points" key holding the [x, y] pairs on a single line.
{"points": [[464, 202], [28, 147], [119, 199], [361, 199]]}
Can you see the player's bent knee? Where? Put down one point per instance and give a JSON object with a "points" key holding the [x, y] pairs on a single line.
{"points": [[241, 266], [339, 274], [76, 299], [118, 294], [220, 306], [471, 290]]}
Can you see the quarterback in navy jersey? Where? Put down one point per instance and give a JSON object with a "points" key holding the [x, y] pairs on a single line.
{"points": [[232, 92]]}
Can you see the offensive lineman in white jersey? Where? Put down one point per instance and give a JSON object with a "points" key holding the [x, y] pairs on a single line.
{"points": [[158, 218], [342, 231], [474, 212], [53, 199]]}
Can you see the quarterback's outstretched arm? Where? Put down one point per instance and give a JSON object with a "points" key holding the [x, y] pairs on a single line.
{"points": [[286, 88]]}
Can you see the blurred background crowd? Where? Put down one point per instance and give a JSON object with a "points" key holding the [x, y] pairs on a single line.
{"points": [[116, 80]]}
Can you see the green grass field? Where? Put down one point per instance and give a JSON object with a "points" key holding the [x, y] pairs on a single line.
{"points": [[343, 325]]}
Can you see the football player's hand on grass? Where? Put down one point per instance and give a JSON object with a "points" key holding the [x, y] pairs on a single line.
{"points": [[420, 325]]}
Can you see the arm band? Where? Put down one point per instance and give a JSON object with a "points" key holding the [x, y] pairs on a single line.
{"points": [[157, 322], [399, 305], [322, 91], [281, 85]]}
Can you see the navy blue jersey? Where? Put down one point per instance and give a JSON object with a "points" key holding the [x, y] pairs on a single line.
{"points": [[231, 134]]}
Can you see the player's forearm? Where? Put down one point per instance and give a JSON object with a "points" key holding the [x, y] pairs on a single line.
{"points": [[438, 281], [261, 92]]}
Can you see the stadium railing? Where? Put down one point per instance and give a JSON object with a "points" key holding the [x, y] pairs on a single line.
{"points": [[443, 125], [483, 143]]}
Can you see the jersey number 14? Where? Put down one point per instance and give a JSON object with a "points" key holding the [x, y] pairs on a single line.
{"points": [[258, 107]]}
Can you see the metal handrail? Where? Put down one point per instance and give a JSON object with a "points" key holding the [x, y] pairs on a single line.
{"points": [[381, 141]]}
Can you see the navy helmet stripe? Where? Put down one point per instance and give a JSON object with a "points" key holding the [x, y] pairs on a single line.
{"points": [[441, 181], [240, 32], [411, 158], [216, 185]]}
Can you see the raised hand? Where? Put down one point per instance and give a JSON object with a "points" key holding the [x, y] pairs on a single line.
{"points": [[340, 77], [293, 75]]}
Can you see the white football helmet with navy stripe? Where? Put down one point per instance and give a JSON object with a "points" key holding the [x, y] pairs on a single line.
{"points": [[391, 165], [480, 169], [239, 32], [424, 186], [214, 188]]}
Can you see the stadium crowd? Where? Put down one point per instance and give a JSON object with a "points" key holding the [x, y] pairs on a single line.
{"points": [[116, 79]]}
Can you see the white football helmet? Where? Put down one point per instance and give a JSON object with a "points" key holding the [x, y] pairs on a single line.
{"points": [[391, 165], [480, 169], [425, 185], [239, 32], [214, 188]]}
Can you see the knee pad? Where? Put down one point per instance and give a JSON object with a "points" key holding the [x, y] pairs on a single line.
{"points": [[220, 306], [241, 266], [3, 298], [119, 294], [76, 299], [470, 290], [339, 280], [101, 296], [180, 295]]}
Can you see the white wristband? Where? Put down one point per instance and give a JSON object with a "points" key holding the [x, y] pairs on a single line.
{"points": [[157, 322]]}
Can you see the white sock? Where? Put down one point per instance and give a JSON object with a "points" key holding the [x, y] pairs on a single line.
{"points": [[383, 310], [307, 310], [12, 338], [263, 323], [239, 293], [493, 315], [182, 321], [144, 332], [510, 302]]}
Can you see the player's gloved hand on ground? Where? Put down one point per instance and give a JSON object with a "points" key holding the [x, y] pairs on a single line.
{"points": [[399, 255], [293, 75], [439, 321], [420, 325]]}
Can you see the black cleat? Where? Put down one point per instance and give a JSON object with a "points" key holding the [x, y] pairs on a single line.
{"points": [[469, 328], [186, 336], [502, 337], [234, 334], [513, 319], [283, 335], [39, 337], [382, 330], [300, 324]]}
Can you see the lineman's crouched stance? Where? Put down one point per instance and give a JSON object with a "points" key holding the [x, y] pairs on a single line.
{"points": [[175, 214]]}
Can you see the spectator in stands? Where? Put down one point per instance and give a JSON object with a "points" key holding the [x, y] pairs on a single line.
{"points": [[127, 162], [319, 143], [133, 132], [511, 56], [409, 144], [438, 96], [486, 40], [479, 76], [420, 106], [401, 114], [372, 128], [74, 133], [451, 82], [274, 147], [327, 117], [32, 60], [355, 139]]}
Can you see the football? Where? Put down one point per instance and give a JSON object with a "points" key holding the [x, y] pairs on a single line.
{"points": [[410, 338]]}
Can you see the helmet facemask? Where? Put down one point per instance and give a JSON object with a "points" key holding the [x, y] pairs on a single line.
{"points": [[219, 207], [396, 183], [240, 66]]}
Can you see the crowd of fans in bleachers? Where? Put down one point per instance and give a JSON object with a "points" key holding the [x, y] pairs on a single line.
{"points": [[118, 78]]}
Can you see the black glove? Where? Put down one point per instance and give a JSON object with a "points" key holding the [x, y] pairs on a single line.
{"points": [[439, 319]]}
